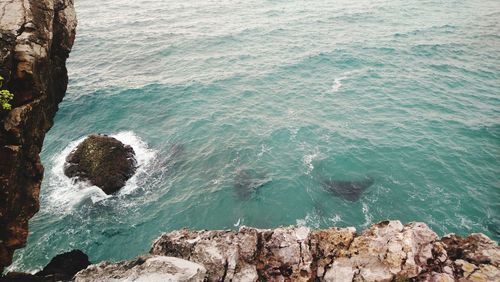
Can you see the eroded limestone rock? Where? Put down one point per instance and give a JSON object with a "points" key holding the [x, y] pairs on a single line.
{"points": [[387, 251]]}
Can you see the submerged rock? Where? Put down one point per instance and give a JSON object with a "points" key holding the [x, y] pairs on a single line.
{"points": [[103, 161], [248, 182], [387, 251], [348, 190]]}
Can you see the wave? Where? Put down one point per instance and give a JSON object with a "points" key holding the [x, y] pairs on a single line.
{"points": [[308, 159], [337, 83]]}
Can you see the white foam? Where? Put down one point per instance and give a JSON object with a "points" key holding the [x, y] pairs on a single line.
{"points": [[308, 159], [143, 154], [368, 216], [263, 150], [335, 219], [337, 83], [62, 193], [238, 222], [311, 220]]}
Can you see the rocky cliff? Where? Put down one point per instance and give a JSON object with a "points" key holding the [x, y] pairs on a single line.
{"points": [[36, 37], [387, 251]]}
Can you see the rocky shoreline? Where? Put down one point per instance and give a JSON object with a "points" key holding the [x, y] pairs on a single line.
{"points": [[387, 251]]}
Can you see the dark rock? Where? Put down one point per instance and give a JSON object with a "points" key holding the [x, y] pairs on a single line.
{"points": [[61, 268], [23, 277], [66, 265], [104, 161], [248, 182]]}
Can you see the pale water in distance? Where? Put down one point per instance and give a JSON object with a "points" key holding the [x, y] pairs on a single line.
{"points": [[240, 111]]}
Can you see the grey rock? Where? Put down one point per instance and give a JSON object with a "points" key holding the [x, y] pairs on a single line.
{"points": [[144, 269]]}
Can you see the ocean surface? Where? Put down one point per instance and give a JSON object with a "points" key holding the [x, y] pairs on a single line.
{"points": [[241, 111]]}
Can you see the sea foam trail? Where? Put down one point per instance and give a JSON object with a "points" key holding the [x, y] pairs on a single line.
{"points": [[65, 194], [337, 83]]}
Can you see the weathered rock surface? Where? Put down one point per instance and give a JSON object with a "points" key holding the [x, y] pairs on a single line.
{"points": [[36, 37], [103, 161], [144, 269], [387, 251]]}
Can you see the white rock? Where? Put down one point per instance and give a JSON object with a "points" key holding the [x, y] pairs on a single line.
{"points": [[153, 269]]}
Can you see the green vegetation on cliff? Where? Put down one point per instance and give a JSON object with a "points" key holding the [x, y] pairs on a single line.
{"points": [[5, 97]]}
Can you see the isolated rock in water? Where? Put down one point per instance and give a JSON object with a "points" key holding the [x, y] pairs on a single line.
{"points": [[104, 161], [145, 269], [66, 265]]}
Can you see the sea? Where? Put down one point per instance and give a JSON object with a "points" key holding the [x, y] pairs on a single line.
{"points": [[243, 113]]}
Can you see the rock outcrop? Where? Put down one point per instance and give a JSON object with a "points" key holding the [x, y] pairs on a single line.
{"points": [[387, 251], [65, 266], [103, 161], [60, 268], [36, 37]]}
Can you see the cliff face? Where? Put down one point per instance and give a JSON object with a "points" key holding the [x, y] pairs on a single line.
{"points": [[36, 37], [387, 251]]}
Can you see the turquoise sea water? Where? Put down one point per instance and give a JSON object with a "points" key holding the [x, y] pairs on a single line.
{"points": [[219, 97]]}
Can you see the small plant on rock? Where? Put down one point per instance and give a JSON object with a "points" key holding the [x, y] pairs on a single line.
{"points": [[5, 97]]}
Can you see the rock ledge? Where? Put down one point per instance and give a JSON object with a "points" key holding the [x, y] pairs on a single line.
{"points": [[387, 251]]}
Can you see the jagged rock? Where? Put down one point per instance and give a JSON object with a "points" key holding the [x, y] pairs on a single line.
{"points": [[474, 258], [36, 37], [387, 251], [66, 265], [225, 254], [332, 243], [144, 269], [476, 248], [103, 161], [285, 254]]}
